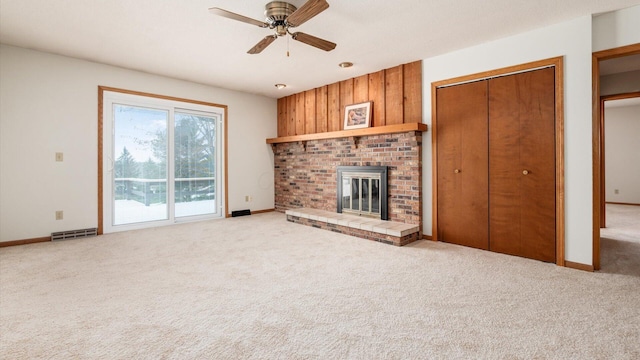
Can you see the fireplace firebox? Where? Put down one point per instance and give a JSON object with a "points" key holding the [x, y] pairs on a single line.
{"points": [[362, 190]]}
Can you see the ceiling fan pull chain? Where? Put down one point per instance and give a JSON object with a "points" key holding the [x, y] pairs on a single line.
{"points": [[287, 46]]}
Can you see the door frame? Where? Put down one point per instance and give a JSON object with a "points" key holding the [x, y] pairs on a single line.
{"points": [[603, 176], [557, 64], [101, 90], [599, 216]]}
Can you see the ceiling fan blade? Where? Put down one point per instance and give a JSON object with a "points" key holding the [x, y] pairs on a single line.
{"points": [[314, 41], [308, 10], [262, 44], [238, 17]]}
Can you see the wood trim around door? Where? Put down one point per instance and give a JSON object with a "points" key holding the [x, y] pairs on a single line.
{"points": [[557, 63], [603, 176], [101, 90], [597, 140], [601, 148]]}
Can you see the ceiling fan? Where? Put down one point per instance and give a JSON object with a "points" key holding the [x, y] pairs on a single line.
{"points": [[280, 17]]}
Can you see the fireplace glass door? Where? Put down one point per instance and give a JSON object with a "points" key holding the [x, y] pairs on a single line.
{"points": [[362, 190], [361, 194]]}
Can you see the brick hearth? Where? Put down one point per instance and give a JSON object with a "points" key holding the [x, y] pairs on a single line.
{"points": [[387, 232]]}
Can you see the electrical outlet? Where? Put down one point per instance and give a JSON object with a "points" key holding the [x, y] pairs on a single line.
{"points": [[616, 191], [59, 156], [248, 198], [59, 215]]}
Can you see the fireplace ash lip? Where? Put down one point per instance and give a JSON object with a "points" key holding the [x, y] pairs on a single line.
{"points": [[383, 190]]}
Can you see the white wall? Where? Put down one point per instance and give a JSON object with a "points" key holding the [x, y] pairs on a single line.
{"points": [[616, 29], [49, 104], [572, 40], [622, 154]]}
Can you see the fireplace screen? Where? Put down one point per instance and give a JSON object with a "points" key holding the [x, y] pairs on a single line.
{"points": [[362, 190]]}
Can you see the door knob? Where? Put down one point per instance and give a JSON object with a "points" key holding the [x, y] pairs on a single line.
{"points": [[456, 171], [525, 172]]}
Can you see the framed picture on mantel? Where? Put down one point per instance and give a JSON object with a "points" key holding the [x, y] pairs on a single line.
{"points": [[357, 116]]}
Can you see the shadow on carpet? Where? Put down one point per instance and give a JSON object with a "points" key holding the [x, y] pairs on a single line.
{"points": [[619, 257]]}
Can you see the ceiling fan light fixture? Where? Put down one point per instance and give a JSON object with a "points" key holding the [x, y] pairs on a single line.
{"points": [[280, 86], [281, 30], [345, 64]]}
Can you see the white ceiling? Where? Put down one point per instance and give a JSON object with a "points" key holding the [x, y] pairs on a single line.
{"points": [[181, 39]]}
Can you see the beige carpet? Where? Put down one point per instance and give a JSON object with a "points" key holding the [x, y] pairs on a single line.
{"points": [[258, 287], [623, 223], [620, 240]]}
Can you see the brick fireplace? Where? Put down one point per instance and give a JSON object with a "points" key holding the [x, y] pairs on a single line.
{"points": [[305, 172]]}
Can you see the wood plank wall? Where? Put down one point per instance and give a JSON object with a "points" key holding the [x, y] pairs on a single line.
{"points": [[396, 94]]}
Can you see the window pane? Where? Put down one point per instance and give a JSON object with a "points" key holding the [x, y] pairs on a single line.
{"points": [[195, 164], [140, 164], [365, 195], [346, 190], [375, 196], [355, 194]]}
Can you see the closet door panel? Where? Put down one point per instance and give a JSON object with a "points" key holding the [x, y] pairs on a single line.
{"points": [[504, 157], [522, 164], [448, 143], [539, 151], [463, 164]]}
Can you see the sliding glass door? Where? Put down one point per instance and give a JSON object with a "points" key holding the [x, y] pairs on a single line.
{"points": [[139, 159], [162, 161], [195, 164]]}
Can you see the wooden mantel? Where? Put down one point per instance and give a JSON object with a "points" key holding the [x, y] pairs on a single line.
{"points": [[378, 130]]}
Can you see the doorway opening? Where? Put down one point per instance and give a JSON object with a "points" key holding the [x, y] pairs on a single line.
{"points": [[620, 233], [609, 69]]}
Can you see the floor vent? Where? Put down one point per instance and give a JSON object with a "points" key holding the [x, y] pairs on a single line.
{"points": [[74, 234]]}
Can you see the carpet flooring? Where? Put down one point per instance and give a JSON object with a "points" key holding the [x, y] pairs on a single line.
{"points": [[259, 287], [620, 240]]}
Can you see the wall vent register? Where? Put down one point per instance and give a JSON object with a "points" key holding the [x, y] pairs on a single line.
{"points": [[74, 234]]}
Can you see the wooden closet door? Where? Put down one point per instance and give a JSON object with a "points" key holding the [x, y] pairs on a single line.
{"points": [[462, 137], [522, 165]]}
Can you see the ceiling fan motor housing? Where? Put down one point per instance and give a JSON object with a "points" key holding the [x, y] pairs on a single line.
{"points": [[276, 13]]}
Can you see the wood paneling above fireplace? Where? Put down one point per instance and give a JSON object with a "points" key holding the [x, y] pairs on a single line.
{"points": [[396, 94]]}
